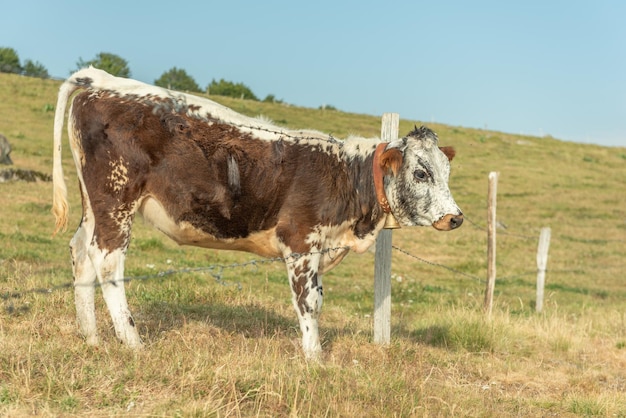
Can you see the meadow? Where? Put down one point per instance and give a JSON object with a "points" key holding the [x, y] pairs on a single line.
{"points": [[222, 338]]}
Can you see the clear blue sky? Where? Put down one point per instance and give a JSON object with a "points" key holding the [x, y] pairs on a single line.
{"points": [[537, 67]]}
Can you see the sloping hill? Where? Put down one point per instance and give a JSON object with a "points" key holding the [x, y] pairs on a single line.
{"points": [[213, 348]]}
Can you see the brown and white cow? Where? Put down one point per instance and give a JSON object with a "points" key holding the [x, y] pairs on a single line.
{"points": [[207, 176]]}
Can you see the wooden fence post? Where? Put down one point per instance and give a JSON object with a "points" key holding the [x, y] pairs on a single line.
{"points": [[542, 264], [491, 241], [382, 267]]}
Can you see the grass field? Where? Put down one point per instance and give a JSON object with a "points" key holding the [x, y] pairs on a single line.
{"points": [[224, 341]]}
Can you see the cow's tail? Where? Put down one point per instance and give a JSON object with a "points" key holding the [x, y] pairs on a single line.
{"points": [[60, 207]]}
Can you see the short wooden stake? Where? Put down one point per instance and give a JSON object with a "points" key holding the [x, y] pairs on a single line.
{"points": [[382, 268], [491, 241], [542, 264]]}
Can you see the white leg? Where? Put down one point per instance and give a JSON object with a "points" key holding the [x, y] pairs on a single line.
{"points": [[309, 324], [110, 271], [84, 282], [307, 297]]}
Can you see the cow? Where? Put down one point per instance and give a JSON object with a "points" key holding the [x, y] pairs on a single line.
{"points": [[207, 176]]}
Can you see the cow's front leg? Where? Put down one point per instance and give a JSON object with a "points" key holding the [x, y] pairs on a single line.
{"points": [[307, 295]]}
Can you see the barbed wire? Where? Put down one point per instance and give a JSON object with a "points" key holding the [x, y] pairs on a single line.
{"points": [[215, 270], [289, 133], [432, 263], [281, 132], [499, 225], [502, 231]]}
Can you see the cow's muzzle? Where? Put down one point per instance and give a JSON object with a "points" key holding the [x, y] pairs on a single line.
{"points": [[448, 222]]}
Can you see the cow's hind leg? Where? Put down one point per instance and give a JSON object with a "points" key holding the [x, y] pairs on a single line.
{"points": [[109, 266], [107, 252], [84, 280]]}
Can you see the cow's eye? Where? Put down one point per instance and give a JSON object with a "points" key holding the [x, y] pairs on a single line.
{"points": [[420, 175]]}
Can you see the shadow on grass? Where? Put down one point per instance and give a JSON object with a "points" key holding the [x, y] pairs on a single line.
{"points": [[250, 320], [471, 336], [435, 335]]}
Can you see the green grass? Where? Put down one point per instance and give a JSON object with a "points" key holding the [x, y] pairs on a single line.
{"points": [[225, 341]]}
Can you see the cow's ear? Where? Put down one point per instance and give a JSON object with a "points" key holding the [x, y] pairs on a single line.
{"points": [[449, 151], [391, 160]]}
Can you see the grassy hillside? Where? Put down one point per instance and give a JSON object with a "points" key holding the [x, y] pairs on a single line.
{"points": [[224, 341]]}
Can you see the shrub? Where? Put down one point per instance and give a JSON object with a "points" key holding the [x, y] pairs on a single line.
{"points": [[111, 63], [177, 79], [9, 61], [230, 89]]}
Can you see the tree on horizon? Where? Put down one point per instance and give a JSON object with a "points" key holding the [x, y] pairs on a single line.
{"points": [[111, 63], [177, 79], [9, 61], [230, 89]]}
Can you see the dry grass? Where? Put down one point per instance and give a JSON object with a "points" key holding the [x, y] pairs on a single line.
{"points": [[230, 346]]}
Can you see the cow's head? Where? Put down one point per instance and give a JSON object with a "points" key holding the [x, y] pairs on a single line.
{"points": [[416, 181]]}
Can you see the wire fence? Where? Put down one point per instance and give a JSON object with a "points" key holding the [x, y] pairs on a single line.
{"points": [[215, 270], [218, 271], [503, 231]]}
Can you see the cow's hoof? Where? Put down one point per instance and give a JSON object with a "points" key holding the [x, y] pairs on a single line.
{"points": [[314, 357], [92, 340]]}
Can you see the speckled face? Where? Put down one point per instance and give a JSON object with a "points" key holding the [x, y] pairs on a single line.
{"points": [[419, 194]]}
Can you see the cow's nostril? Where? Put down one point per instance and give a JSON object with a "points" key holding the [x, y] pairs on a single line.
{"points": [[448, 222]]}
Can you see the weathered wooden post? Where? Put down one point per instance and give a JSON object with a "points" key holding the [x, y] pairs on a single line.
{"points": [[382, 267], [491, 241], [542, 264]]}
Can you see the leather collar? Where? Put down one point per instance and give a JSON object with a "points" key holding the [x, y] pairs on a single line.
{"points": [[378, 179]]}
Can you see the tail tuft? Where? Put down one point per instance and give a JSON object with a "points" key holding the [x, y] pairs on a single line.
{"points": [[60, 207]]}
